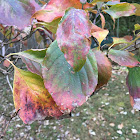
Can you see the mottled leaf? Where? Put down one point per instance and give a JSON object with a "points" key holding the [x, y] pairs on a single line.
{"points": [[123, 58], [33, 59], [17, 12], [72, 37], [121, 9], [56, 9], [113, 2], [133, 84], [99, 33], [31, 98], [68, 88], [104, 68], [137, 13]]}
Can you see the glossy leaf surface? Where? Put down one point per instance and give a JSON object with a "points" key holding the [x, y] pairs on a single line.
{"points": [[69, 89], [17, 12], [56, 9], [123, 58], [104, 68], [33, 60], [133, 84], [121, 9], [99, 33], [72, 37], [31, 97]]}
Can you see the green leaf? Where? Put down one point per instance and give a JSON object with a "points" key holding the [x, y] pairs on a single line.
{"points": [[31, 98], [95, 1], [68, 88], [120, 10], [72, 34], [33, 59], [123, 58], [104, 68], [133, 84]]}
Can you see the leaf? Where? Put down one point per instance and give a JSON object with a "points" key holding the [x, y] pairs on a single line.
{"points": [[33, 59], [137, 13], [104, 68], [69, 89], [56, 9], [52, 26], [133, 84], [95, 1], [99, 33], [121, 40], [72, 37], [123, 58], [17, 12], [137, 27], [31, 97], [101, 15], [121, 9]]}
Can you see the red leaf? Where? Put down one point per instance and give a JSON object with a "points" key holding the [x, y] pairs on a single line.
{"points": [[17, 12], [104, 68], [123, 58], [56, 9], [72, 34], [31, 97]]}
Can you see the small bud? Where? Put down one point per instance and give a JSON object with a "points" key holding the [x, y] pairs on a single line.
{"points": [[83, 1]]}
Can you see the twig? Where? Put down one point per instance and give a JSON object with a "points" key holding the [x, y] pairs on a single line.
{"points": [[8, 81]]}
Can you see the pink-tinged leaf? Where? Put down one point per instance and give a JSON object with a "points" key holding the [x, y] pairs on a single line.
{"points": [[99, 33], [137, 13], [72, 37], [121, 40], [33, 59], [123, 58], [17, 12], [120, 10], [56, 9], [31, 98], [69, 89], [104, 68], [133, 84]]}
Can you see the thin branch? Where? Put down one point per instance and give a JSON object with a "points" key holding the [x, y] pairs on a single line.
{"points": [[8, 81]]}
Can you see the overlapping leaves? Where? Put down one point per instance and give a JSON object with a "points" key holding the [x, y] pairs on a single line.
{"points": [[68, 89]]}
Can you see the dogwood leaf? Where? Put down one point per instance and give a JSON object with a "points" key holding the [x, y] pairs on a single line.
{"points": [[31, 98], [121, 9], [123, 58], [17, 12], [104, 68], [72, 37], [68, 88]]}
